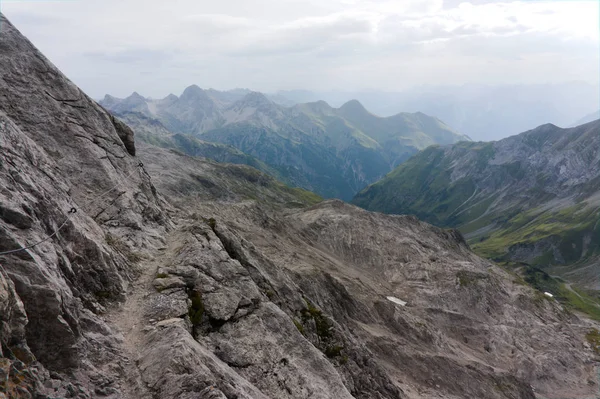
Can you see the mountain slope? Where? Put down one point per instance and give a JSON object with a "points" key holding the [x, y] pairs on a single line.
{"points": [[331, 270], [151, 131], [206, 180], [533, 197], [61, 153], [334, 152]]}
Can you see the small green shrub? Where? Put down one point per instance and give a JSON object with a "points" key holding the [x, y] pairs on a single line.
{"points": [[212, 223], [196, 311], [593, 337], [162, 275], [322, 325], [327, 342], [333, 351], [118, 245], [299, 326], [133, 257], [111, 240], [466, 278]]}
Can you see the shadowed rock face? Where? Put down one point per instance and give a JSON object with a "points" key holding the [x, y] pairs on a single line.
{"points": [[230, 286], [125, 134], [14, 352]]}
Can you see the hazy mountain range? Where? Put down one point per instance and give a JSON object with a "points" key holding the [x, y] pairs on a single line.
{"points": [[483, 112], [334, 152], [588, 118], [533, 197]]}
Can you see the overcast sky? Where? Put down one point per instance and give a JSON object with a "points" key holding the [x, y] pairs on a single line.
{"points": [[158, 47]]}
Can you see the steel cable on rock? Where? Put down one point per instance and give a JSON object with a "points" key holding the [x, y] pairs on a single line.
{"points": [[104, 194], [71, 212]]}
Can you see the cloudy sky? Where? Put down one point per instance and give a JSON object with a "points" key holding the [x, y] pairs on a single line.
{"points": [[158, 47]]}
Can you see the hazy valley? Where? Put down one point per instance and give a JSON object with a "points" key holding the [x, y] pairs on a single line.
{"points": [[334, 152]]}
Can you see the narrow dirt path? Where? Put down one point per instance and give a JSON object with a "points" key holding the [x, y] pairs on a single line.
{"points": [[568, 286], [587, 301], [129, 319]]}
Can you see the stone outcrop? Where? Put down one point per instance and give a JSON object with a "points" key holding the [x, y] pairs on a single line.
{"points": [[329, 270], [61, 151]]}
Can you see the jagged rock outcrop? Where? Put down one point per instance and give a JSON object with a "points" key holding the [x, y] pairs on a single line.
{"points": [[330, 269], [125, 134], [15, 355]]}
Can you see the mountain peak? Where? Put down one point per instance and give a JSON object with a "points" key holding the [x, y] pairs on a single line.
{"points": [[317, 106], [193, 92], [108, 97], [134, 97], [255, 99], [548, 126], [110, 101], [321, 104], [353, 106]]}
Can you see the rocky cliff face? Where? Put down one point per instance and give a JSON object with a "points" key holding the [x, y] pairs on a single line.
{"points": [[532, 197], [184, 278], [61, 151]]}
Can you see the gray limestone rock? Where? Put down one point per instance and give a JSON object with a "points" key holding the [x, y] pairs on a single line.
{"points": [[60, 151]]}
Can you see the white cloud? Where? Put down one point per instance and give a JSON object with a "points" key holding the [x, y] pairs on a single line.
{"points": [[156, 47]]}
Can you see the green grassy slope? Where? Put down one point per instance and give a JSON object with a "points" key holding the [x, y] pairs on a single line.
{"points": [[198, 148], [534, 197], [303, 162], [420, 187]]}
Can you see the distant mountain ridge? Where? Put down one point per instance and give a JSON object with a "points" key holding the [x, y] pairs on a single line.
{"points": [[484, 112], [332, 151], [533, 197], [588, 118], [152, 131]]}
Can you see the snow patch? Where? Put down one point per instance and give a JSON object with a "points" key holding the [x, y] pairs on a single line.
{"points": [[396, 300]]}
